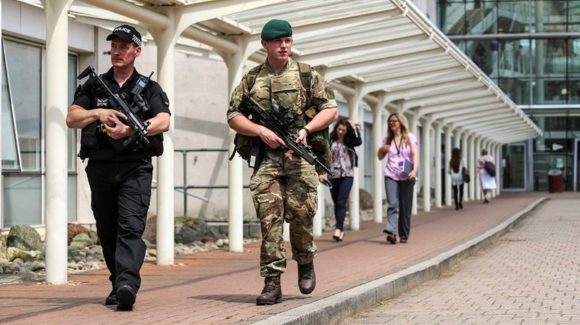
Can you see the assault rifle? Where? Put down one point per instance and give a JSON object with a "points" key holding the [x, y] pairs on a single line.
{"points": [[121, 105], [279, 121]]}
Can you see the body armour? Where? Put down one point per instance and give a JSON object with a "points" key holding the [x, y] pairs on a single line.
{"points": [[95, 143]]}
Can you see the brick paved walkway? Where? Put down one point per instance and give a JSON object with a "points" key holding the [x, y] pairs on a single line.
{"points": [[220, 287], [530, 276]]}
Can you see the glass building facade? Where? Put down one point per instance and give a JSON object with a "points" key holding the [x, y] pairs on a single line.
{"points": [[23, 134], [531, 49]]}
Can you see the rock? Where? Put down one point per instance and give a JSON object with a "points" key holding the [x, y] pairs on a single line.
{"points": [[94, 237], [365, 200], [189, 230], [150, 233], [24, 237], [81, 241], [219, 243], [17, 255], [3, 255], [37, 266], [153, 252], [73, 230], [185, 235]]}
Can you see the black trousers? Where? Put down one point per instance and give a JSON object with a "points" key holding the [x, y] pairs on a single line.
{"points": [[339, 192], [458, 194], [120, 196]]}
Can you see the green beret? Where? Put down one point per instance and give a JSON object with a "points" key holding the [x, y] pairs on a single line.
{"points": [[276, 28]]}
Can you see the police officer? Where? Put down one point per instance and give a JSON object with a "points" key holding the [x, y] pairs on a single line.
{"points": [[120, 175], [284, 186]]}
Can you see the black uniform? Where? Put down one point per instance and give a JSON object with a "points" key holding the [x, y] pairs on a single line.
{"points": [[120, 179]]}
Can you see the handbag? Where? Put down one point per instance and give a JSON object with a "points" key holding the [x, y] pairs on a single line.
{"points": [[466, 178], [489, 168]]}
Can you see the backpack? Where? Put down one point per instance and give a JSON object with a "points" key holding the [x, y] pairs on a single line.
{"points": [[319, 140], [489, 168]]}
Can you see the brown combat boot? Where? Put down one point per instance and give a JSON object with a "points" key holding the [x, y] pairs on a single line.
{"points": [[272, 292], [306, 278]]}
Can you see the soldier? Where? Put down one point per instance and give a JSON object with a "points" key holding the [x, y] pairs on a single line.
{"points": [[120, 176], [283, 186]]}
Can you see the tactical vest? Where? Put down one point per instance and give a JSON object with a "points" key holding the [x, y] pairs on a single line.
{"points": [[319, 140], [96, 144]]}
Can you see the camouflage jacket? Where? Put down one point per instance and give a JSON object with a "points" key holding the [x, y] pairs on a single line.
{"points": [[284, 89]]}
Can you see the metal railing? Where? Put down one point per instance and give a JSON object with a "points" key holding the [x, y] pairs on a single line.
{"points": [[185, 187]]}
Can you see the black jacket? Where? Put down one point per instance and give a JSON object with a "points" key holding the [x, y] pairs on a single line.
{"points": [[351, 139]]}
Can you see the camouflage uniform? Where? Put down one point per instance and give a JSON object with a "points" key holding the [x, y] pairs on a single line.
{"points": [[284, 187]]}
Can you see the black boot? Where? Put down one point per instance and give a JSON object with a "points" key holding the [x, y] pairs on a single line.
{"points": [[272, 292], [306, 278], [112, 298]]}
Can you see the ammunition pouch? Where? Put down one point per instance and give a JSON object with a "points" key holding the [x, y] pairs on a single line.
{"points": [[319, 141], [250, 149]]}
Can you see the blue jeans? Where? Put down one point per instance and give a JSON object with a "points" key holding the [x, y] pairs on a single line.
{"points": [[339, 192], [400, 200]]}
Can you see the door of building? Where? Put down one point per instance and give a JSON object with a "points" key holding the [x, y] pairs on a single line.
{"points": [[513, 167], [576, 165]]}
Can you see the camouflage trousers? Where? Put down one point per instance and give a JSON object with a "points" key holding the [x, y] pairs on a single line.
{"points": [[284, 188]]}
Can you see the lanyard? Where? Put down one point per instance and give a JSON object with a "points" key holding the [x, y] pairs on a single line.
{"points": [[399, 145]]}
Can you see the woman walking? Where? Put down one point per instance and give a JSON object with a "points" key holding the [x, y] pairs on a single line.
{"points": [[457, 171], [344, 137], [486, 174], [400, 148]]}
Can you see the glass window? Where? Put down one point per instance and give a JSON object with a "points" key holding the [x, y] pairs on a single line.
{"points": [[574, 91], [517, 89], [484, 55], [554, 54], [555, 123], [550, 91], [451, 17], [514, 60], [24, 72], [513, 16], [72, 133], [10, 152], [481, 17], [574, 58], [72, 144], [550, 16], [574, 16], [22, 200]]}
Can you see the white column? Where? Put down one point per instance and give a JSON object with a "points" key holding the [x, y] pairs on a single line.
{"points": [[472, 170], [498, 179], [378, 177], [478, 147], [425, 164], [56, 140], [477, 150], [467, 158], [413, 129], [165, 41], [458, 143], [447, 194], [320, 211], [438, 166], [353, 199], [235, 64], [1, 132]]}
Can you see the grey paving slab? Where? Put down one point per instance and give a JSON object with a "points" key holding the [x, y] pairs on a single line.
{"points": [[531, 275]]}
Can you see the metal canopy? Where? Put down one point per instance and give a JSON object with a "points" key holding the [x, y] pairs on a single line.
{"points": [[382, 48]]}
